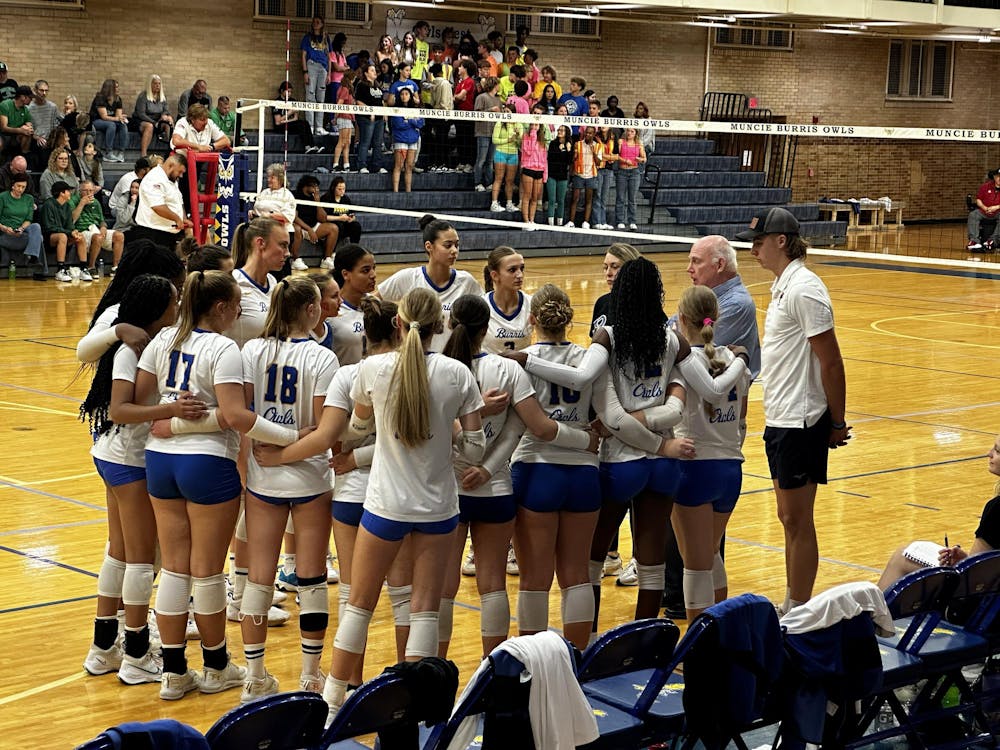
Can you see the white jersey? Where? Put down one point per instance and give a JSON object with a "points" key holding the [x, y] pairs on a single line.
{"points": [[714, 427], [415, 483], [254, 304], [94, 343], [123, 444], [352, 486], [348, 334], [637, 393], [286, 376], [571, 408], [461, 282], [326, 340], [203, 360], [506, 333], [492, 371]]}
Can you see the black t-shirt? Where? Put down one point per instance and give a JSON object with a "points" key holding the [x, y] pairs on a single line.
{"points": [[368, 94], [989, 524], [8, 89], [109, 108], [308, 214], [560, 157], [602, 313]]}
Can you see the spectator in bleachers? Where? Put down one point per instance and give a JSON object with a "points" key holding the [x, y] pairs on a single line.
{"points": [[90, 162], [59, 230], [315, 48], [345, 124], [338, 69], [487, 101], [405, 141], [59, 141], [532, 74], [613, 110], [125, 210], [370, 127], [442, 99], [560, 160], [120, 193], [483, 54], [8, 86], [222, 115], [422, 54], [548, 79], [406, 50], [197, 94], [290, 120], [342, 215], [437, 56], [519, 97], [576, 103], [594, 109], [987, 207], [15, 124], [152, 114], [18, 233], [386, 77], [521, 39], [534, 169], [507, 67], [631, 157], [59, 170], [277, 202], [403, 80], [506, 141], [496, 41], [44, 115], [548, 98], [465, 101], [449, 44], [587, 154], [75, 122], [16, 166], [311, 222], [606, 166], [88, 218], [108, 118], [386, 50], [646, 135], [467, 47]]}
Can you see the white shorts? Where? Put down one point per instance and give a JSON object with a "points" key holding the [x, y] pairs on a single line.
{"points": [[344, 124], [92, 230], [405, 146]]}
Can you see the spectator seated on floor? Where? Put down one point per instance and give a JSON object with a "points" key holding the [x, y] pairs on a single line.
{"points": [[987, 207]]}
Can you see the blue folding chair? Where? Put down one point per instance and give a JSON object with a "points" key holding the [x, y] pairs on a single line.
{"points": [[382, 703], [286, 721], [159, 734]]}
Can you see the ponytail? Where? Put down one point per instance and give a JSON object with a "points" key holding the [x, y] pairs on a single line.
{"points": [[470, 316], [202, 289], [493, 264], [700, 307], [420, 314], [290, 297]]}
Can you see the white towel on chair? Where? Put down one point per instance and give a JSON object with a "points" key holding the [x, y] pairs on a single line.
{"points": [[840, 603]]}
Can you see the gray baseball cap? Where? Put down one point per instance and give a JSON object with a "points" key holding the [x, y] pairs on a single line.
{"points": [[770, 221]]}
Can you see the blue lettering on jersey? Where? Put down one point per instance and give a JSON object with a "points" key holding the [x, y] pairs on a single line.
{"points": [[718, 416], [642, 390], [565, 416], [488, 430], [510, 333], [271, 414], [358, 327]]}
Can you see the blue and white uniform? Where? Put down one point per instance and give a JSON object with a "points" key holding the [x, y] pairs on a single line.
{"points": [[326, 340], [286, 376], [120, 453], [255, 301], [508, 332], [100, 337], [350, 488], [461, 282], [348, 327]]}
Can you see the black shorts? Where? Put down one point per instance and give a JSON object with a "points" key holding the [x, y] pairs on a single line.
{"points": [[535, 174], [797, 456]]}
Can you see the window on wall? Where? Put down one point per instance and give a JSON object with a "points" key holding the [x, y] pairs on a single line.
{"points": [[748, 35], [332, 10], [920, 69], [555, 25]]}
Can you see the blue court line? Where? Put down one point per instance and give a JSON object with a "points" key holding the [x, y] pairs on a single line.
{"points": [[46, 343], [914, 269], [922, 507], [854, 494], [39, 558], [41, 393], [49, 494], [47, 604], [775, 548], [53, 527]]}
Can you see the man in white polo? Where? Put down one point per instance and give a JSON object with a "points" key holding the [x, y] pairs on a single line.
{"points": [[160, 214], [805, 390]]}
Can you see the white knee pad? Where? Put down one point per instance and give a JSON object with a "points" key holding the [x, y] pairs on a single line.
{"points": [[650, 576], [109, 580], [595, 569], [174, 593], [495, 616], [533, 610], [210, 594], [352, 633], [256, 602], [241, 524], [314, 607], [343, 594], [137, 586], [578, 603], [699, 592], [423, 639], [399, 597], [719, 578], [446, 620]]}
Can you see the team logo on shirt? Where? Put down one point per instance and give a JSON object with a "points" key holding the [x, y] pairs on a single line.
{"points": [[272, 415], [718, 416]]}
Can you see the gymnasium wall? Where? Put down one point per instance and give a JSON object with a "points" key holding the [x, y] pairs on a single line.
{"points": [[839, 79]]}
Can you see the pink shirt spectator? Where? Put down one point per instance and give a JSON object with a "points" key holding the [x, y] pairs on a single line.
{"points": [[336, 76], [534, 153], [520, 105], [628, 155]]}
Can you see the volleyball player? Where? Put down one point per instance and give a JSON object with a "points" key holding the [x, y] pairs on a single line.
{"points": [[287, 375], [120, 430], [438, 274], [329, 304], [205, 257], [193, 479], [486, 498], [509, 327], [354, 271]]}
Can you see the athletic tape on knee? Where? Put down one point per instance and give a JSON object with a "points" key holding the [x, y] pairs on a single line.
{"points": [[314, 607], [343, 594], [352, 633], [210, 594], [256, 602], [174, 593], [595, 568], [719, 578], [533, 610], [137, 586], [699, 593], [423, 639], [495, 615], [241, 525], [578, 603], [399, 597], [650, 576], [109, 580], [446, 620]]}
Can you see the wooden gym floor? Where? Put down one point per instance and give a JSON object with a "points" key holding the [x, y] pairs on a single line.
{"points": [[920, 346]]}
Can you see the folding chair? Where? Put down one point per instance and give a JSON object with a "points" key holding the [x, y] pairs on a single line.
{"points": [[160, 734], [286, 721]]}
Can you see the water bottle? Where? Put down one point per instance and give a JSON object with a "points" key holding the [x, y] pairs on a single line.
{"points": [[100, 268], [12, 271]]}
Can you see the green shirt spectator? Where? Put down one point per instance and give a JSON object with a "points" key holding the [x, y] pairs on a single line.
{"points": [[57, 217], [16, 116], [90, 214], [16, 212]]}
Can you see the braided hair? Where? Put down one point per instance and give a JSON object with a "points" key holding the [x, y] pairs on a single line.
{"points": [[142, 257], [637, 310]]}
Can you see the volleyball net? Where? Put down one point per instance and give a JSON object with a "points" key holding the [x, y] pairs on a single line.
{"points": [[888, 192]]}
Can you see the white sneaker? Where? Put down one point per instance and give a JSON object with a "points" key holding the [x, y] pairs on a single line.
{"points": [[148, 668], [418, 170], [552, 221], [277, 617], [569, 225], [469, 564], [192, 633], [621, 226], [74, 271], [585, 225], [277, 597], [332, 575], [629, 575], [63, 274], [383, 170], [312, 683], [299, 265], [480, 188], [510, 207], [327, 264], [102, 661], [233, 612], [633, 228], [528, 227], [495, 207], [468, 169], [363, 170], [258, 687], [512, 569], [321, 131], [173, 687], [85, 275], [612, 565], [217, 680]]}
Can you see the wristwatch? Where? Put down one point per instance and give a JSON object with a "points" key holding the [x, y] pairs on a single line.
{"points": [[838, 425]]}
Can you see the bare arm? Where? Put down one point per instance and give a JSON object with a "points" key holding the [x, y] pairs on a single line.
{"points": [[831, 363], [331, 424], [126, 408]]}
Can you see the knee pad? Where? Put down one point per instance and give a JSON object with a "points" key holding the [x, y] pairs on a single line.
{"points": [[595, 569], [399, 597], [699, 593], [650, 576], [446, 620], [314, 605], [137, 586], [423, 639], [109, 580], [578, 603], [210, 594], [352, 633], [174, 593], [719, 578], [533, 610], [343, 594], [495, 615], [256, 602], [289, 526], [241, 525]]}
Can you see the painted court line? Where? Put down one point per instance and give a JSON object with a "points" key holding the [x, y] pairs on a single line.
{"points": [[39, 558], [41, 688], [828, 560], [15, 485], [40, 393], [24, 607], [53, 527]]}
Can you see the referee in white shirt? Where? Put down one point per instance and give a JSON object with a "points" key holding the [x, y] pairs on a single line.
{"points": [[159, 215], [805, 390]]}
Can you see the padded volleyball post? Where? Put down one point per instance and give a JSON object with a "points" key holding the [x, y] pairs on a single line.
{"points": [[230, 210], [201, 203]]}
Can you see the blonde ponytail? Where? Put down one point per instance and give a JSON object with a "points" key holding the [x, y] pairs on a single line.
{"points": [[420, 314]]}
